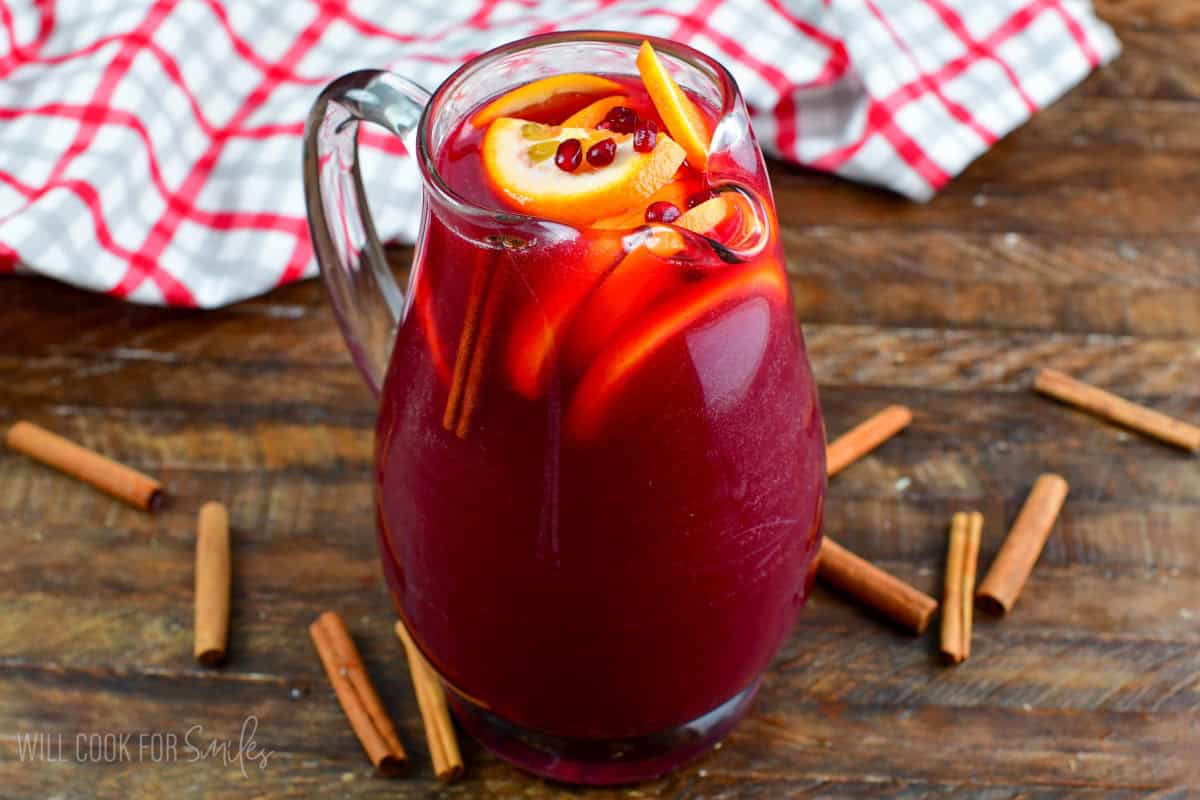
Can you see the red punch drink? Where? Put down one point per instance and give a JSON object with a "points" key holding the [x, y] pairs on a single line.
{"points": [[600, 458]]}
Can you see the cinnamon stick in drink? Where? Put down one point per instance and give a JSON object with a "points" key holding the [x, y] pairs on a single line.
{"points": [[431, 699], [474, 344], [476, 296], [872, 586], [1021, 549], [865, 437], [479, 356], [213, 580], [1117, 409], [120, 481], [357, 696]]}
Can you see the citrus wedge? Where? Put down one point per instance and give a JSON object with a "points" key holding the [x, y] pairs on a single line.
{"points": [[640, 278], [593, 115], [729, 218], [644, 275], [519, 164], [540, 99], [718, 218], [676, 193], [683, 119], [706, 216], [618, 362], [542, 318]]}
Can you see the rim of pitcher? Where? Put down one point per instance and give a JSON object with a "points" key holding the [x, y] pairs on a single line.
{"points": [[710, 67]]}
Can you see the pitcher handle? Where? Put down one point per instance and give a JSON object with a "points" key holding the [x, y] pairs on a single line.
{"points": [[366, 300]]}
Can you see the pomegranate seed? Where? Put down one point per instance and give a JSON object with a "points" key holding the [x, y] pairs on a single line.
{"points": [[699, 197], [645, 136], [569, 155], [621, 119], [662, 211], [602, 153]]}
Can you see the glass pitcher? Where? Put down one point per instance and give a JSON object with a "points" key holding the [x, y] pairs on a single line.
{"points": [[598, 534]]}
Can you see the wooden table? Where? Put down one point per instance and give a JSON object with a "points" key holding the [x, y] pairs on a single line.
{"points": [[1075, 243]]}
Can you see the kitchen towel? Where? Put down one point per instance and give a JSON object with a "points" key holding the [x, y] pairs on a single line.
{"points": [[151, 150]]}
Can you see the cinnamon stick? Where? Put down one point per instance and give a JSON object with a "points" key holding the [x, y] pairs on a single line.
{"points": [[212, 584], [483, 306], [357, 696], [122, 482], [1117, 409], [466, 343], [970, 566], [479, 356], [952, 592], [431, 698], [961, 558], [886, 593], [865, 437], [1021, 548]]}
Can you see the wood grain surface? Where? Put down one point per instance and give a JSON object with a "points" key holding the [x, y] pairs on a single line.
{"points": [[1074, 244]]}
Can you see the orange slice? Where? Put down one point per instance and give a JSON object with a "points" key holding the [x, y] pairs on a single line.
{"points": [[729, 218], [676, 193], [640, 278], [593, 115], [613, 368], [518, 162], [706, 216], [540, 98], [683, 119], [643, 275], [542, 318]]}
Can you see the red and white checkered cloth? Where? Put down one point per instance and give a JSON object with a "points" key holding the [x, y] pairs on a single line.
{"points": [[152, 150]]}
